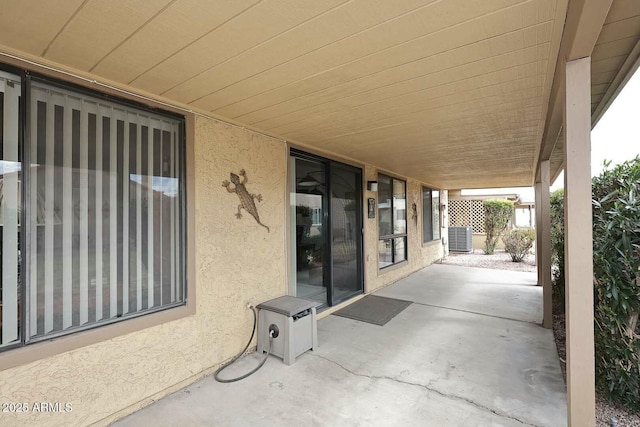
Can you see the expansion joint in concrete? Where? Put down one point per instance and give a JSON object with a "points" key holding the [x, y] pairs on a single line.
{"points": [[475, 312], [428, 387]]}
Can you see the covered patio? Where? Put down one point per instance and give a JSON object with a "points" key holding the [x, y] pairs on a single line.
{"points": [[469, 350], [421, 96]]}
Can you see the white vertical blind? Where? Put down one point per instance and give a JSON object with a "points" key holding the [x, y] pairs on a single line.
{"points": [[99, 215], [9, 189], [177, 208], [126, 238], [34, 220], [113, 219], [67, 220], [48, 219], [83, 208], [150, 218], [106, 198], [138, 218]]}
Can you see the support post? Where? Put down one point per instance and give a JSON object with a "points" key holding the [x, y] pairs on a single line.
{"points": [[537, 189], [544, 268], [578, 244]]}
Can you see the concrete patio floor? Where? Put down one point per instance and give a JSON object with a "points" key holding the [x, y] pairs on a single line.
{"points": [[467, 352]]}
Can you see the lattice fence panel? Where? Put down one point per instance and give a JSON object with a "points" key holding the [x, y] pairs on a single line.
{"points": [[459, 213], [465, 213]]}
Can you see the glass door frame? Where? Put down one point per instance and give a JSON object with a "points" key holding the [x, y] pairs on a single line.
{"points": [[327, 229], [332, 165]]}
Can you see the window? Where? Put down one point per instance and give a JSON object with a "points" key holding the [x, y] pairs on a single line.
{"points": [[316, 217], [392, 221], [10, 209], [430, 214], [103, 218]]}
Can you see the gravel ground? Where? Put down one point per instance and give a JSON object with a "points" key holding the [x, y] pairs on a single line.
{"points": [[500, 260], [605, 411]]}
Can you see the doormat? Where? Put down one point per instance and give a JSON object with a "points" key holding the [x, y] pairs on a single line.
{"points": [[374, 309]]}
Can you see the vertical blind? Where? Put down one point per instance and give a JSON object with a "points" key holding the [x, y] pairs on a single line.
{"points": [[105, 218], [10, 90]]}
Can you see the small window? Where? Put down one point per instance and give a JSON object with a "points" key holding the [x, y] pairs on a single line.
{"points": [[316, 216], [430, 214], [392, 221]]}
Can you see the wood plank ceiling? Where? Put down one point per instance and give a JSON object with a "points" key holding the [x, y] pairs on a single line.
{"points": [[451, 92]]}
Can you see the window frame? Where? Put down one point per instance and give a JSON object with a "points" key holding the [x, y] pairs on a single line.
{"points": [[392, 237], [27, 349], [438, 226], [22, 312]]}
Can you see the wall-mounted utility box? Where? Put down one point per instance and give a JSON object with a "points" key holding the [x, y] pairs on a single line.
{"points": [[296, 320]]}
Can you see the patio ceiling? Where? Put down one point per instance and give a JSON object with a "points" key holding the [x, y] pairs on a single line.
{"points": [[451, 92]]}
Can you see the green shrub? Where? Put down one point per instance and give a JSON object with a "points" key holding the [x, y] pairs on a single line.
{"points": [[557, 246], [496, 216], [616, 266], [518, 243]]}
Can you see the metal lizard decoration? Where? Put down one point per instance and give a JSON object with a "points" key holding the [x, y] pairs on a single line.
{"points": [[246, 198], [414, 215]]}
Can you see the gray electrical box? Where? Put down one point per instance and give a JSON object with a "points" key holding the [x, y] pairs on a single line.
{"points": [[296, 320]]}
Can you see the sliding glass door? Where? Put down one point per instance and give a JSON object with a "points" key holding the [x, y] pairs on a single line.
{"points": [[309, 204], [346, 231], [326, 229]]}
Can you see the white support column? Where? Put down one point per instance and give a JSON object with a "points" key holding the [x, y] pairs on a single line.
{"points": [[544, 235], [578, 245]]}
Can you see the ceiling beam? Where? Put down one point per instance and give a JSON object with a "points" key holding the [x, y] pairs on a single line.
{"points": [[585, 19], [584, 22]]}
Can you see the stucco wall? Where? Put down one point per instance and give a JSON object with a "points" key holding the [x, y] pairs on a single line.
{"points": [[479, 239], [237, 262]]}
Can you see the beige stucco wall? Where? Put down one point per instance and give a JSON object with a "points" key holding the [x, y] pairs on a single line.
{"points": [[479, 239], [236, 262]]}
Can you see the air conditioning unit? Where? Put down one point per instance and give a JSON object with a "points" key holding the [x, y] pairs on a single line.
{"points": [[461, 239]]}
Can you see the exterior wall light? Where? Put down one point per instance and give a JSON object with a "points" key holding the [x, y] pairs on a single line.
{"points": [[372, 185]]}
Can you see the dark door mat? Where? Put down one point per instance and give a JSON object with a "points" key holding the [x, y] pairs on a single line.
{"points": [[374, 309]]}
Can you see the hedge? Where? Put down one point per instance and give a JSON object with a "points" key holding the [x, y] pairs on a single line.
{"points": [[496, 216]]}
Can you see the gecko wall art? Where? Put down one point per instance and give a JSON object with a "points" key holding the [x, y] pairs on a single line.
{"points": [[246, 199], [414, 213]]}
